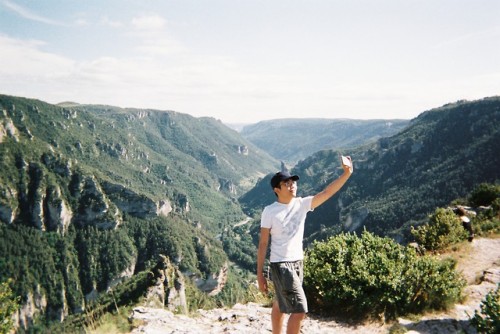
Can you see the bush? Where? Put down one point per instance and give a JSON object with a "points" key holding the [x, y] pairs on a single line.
{"points": [[484, 194], [444, 229], [370, 276], [488, 320], [487, 221]]}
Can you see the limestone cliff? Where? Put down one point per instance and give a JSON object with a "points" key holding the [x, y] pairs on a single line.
{"points": [[167, 287]]}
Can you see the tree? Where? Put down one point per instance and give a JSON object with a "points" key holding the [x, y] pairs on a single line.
{"points": [[9, 304]]}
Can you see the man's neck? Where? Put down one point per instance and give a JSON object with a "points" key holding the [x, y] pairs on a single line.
{"points": [[286, 200]]}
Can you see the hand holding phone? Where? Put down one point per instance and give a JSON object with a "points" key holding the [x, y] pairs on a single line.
{"points": [[346, 161]]}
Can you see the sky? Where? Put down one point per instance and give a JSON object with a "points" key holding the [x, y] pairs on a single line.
{"points": [[246, 61]]}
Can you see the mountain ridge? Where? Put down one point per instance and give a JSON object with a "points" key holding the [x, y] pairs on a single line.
{"points": [[294, 139]]}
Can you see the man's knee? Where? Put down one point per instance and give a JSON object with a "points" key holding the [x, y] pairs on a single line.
{"points": [[298, 316]]}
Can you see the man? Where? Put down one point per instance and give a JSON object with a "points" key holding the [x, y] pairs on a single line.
{"points": [[284, 220], [466, 223]]}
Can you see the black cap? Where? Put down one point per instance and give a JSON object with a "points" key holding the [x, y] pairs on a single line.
{"points": [[282, 176]]}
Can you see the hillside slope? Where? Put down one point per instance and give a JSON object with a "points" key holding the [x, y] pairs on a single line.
{"points": [[91, 195], [156, 156], [440, 156]]}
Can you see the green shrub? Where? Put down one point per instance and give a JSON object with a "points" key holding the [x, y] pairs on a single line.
{"points": [[495, 205], [488, 320], [444, 229], [370, 276], [434, 284], [484, 194], [487, 222]]}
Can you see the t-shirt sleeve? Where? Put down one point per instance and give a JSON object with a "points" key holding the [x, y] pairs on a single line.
{"points": [[265, 219], [307, 202]]}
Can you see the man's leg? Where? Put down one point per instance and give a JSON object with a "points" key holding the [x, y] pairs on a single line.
{"points": [[295, 323], [277, 318]]}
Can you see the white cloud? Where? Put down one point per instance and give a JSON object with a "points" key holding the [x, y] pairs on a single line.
{"points": [[149, 22], [158, 46], [195, 84], [458, 41], [23, 58], [152, 81], [153, 38], [106, 21], [27, 14], [81, 22], [165, 74]]}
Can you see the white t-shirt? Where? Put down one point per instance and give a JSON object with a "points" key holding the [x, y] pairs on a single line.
{"points": [[286, 222], [465, 219]]}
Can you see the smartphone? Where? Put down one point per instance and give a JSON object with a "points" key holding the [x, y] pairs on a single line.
{"points": [[346, 161]]}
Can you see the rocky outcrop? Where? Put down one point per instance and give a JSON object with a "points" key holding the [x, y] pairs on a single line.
{"points": [[138, 205], [164, 208], [57, 213], [242, 149], [127, 273], [356, 218], [214, 283], [57, 164], [115, 150], [35, 305], [181, 204], [167, 287], [95, 208], [92, 295], [40, 202], [8, 204], [227, 185], [130, 202], [8, 129]]}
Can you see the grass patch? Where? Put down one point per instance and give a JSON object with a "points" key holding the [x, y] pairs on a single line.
{"points": [[115, 322]]}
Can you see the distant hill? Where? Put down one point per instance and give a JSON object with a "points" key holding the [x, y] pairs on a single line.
{"points": [[68, 104], [236, 126], [291, 140], [440, 156]]}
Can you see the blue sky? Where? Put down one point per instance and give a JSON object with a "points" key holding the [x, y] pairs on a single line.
{"points": [[246, 61]]}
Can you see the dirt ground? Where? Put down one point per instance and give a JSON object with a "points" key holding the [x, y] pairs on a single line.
{"points": [[477, 256]]}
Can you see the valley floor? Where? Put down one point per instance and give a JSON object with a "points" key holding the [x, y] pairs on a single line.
{"points": [[478, 261]]}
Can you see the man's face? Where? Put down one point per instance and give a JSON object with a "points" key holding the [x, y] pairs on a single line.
{"points": [[287, 189]]}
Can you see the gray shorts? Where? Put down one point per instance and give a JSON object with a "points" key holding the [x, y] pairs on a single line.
{"points": [[287, 278]]}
